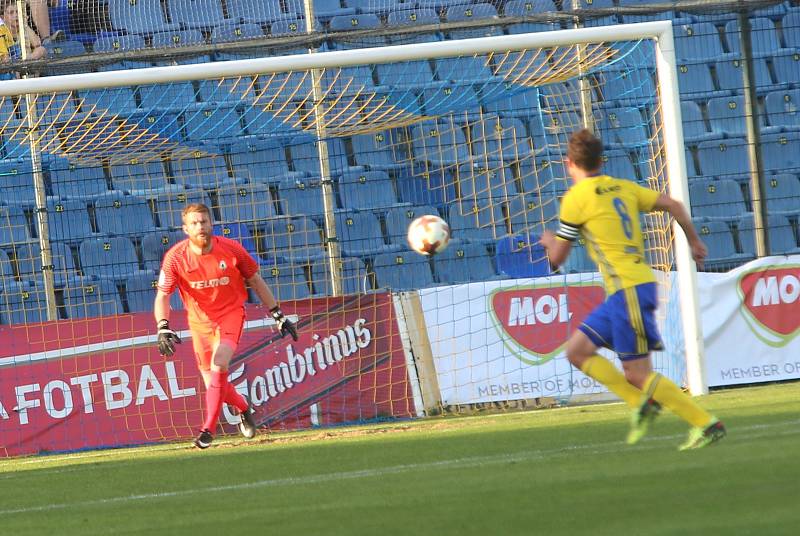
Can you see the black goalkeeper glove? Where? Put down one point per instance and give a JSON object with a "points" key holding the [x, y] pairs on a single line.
{"points": [[285, 326], [166, 339]]}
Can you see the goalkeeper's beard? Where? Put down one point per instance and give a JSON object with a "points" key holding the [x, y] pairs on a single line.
{"points": [[200, 242]]}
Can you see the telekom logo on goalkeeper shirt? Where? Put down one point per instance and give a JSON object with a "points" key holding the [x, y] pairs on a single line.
{"points": [[771, 302], [535, 321]]}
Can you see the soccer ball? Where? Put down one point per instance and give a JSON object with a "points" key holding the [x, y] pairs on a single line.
{"points": [[428, 235]]}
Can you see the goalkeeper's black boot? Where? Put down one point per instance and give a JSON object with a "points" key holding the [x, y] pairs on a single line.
{"points": [[247, 426], [203, 441]]}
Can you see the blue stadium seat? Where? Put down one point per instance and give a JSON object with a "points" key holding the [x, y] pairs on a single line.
{"points": [[415, 74], [293, 238], [579, 261], [624, 127], [257, 11], [402, 270], [507, 100], [479, 184], [359, 234], [359, 189], [87, 297], [376, 151], [306, 159], [427, 186], [17, 180], [69, 180], [546, 172], [324, 10], [717, 199], [726, 116], [169, 205], [468, 13], [140, 293], [781, 236], [261, 161], [532, 212], [22, 302], [764, 36], [629, 87], [28, 257], [790, 24], [123, 215], [699, 40], [287, 281], [175, 97], [108, 257], [246, 203], [363, 21], [13, 225], [520, 256], [56, 109], [114, 101], [618, 163], [560, 123], [354, 277], [141, 16], [399, 218], [155, 244], [444, 98], [301, 195], [783, 108], [439, 142], [787, 68], [695, 81], [241, 233], [694, 126], [136, 176], [6, 266], [290, 26], [720, 158], [348, 80], [196, 13], [463, 263], [420, 16], [212, 124], [729, 75], [200, 170], [226, 33], [782, 192], [179, 38], [497, 138], [718, 238], [464, 69], [118, 43], [68, 219], [472, 222], [64, 49], [781, 152], [231, 91], [381, 7]]}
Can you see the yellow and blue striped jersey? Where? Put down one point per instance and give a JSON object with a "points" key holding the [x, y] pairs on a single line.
{"points": [[605, 211]]}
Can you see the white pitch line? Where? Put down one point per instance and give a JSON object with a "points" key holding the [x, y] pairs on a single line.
{"points": [[477, 461]]}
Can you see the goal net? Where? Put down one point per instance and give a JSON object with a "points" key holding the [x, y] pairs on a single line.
{"points": [[317, 163]]}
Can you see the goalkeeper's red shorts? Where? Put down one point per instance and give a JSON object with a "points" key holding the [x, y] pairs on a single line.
{"points": [[206, 336]]}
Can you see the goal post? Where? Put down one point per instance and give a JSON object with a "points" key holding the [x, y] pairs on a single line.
{"points": [[317, 163]]}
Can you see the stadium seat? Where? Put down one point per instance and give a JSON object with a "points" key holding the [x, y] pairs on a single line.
{"points": [[618, 163], [68, 219], [520, 256], [246, 203], [114, 101], [140, 293], [463, 263], [440, 143], [324, 10], [420, 16], [179, 38], [627, 87], [301, 195], [70, 180], [399, 218], [376, 151], [226, 33], [497, 138], [721, 158], [118, 43], [726, 116], [255, 11], [17, 179], [359, 189], [363, 21], [718, 199], [294, 238], [87, 297], [290, 26], [13, 225], [578, 261], [764, 36], [262, 161], [287, 281], [108, 257], [694, 126], [359, 234], [781, 236], [544, 171], [195, 13], [305, 157], [348, 80], [64, 49], [699, 40], [413, 74], [28, 257], [482, 185], [782, 193], [781, 152], [464, 69], [140, 17], [57, 109], [212, 124], [443, 98], [169, 205], [200, 170], [123, 215], [729, 75], [136, 176], [402, 270], [6, 266], [354, 277], [783, 108], [623, 127], [787, 68], [22, 302], [175, 97], [155, 244], [427, 186], [695, 80], [718, 238], [469, 13], [531, 212], [472, 222], [791, 25]]}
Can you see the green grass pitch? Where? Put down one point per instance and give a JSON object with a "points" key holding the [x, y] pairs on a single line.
{"points": [[560, 471]]}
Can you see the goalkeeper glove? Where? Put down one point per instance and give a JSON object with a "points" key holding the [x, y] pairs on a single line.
{"points": [[285, 326], [166, 339]]}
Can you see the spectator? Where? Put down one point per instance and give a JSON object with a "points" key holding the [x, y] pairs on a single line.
{"points": [[12, 23]]}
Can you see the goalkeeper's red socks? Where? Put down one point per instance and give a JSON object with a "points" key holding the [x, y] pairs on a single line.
{"points": [[233, 398], [215, 394]]}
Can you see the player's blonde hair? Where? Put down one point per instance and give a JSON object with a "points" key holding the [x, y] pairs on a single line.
{"points": [[196, 207], [585, 150]]}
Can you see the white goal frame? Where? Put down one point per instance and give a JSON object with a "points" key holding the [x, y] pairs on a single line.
{"points": [[658, 31]]}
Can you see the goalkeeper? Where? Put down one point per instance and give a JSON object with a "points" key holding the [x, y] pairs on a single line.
{"points": [[605, 211], [211, 274]]}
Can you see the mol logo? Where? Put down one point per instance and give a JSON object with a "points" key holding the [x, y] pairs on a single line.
{"points": [[770, 298], [535, 321]]}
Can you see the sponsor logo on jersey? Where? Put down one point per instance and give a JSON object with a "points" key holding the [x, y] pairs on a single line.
{"points": [[770, 302], [211, 283]]}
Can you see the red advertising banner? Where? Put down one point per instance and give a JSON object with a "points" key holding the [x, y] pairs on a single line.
{"points": [[95, 383]]}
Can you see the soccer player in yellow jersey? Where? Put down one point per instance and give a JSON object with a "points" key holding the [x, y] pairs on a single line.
{"points": [[605, 211]]}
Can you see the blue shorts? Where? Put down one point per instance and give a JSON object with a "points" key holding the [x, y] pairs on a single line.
{"points": [[626, 322]]}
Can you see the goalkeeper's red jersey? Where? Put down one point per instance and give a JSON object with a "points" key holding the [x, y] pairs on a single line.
{"points": [[211, 285]]}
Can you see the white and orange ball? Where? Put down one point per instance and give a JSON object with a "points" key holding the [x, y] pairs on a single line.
{"points": [[428, 235]]}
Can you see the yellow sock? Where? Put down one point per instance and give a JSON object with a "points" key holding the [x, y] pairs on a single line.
{"points": [[669, 395], [603, 371]]}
